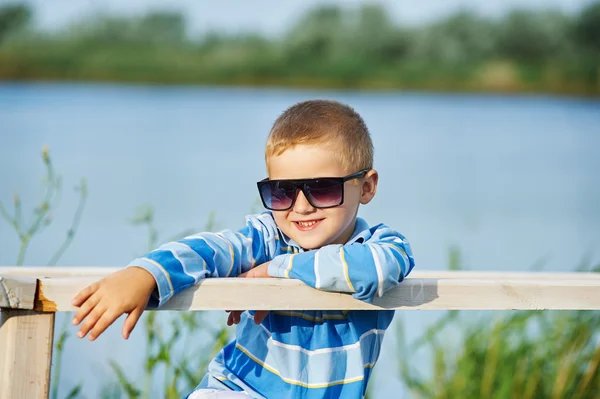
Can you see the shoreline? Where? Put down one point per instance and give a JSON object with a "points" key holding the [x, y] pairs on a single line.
{"points": [[370, 85]]}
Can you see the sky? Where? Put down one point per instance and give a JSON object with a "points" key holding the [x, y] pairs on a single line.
{"points": [[270, 17]]}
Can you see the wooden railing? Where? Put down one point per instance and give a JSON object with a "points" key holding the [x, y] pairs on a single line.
{"points": [[30, 296]]}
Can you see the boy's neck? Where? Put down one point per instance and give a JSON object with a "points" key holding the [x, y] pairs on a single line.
{"points": [[348, 233]]}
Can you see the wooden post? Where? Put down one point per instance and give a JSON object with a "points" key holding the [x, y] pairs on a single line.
{"points": [[25, 353]]}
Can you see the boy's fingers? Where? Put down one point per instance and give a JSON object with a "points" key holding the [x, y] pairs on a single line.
{"points": [[260, 315], [102, 324], [234, 317], [84, 294], [90, 321], [131, 321], [86, 308]]}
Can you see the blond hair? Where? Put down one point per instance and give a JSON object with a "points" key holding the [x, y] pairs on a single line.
{"points": [[323, 122]]}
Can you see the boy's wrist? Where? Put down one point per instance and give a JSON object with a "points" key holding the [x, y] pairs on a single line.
{"points": [[162, 289], [144, 276]]}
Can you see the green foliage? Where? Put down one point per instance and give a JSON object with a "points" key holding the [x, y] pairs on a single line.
{"points": [[524, 355], [13, 17], [588, 27], [533, 37], [167, 27], [521, 355], [128, 387], [74, 393], [158, 28], [329, 46], [462, 37]]}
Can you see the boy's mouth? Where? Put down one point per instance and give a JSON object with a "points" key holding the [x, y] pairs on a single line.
{"points": [[307, 225]]}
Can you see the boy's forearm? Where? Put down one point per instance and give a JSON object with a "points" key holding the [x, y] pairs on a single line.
{"points": [[328, 269], [364, 270], [178, 265]]}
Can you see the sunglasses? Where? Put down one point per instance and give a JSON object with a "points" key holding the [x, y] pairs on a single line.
{"points": [[322, 192]]}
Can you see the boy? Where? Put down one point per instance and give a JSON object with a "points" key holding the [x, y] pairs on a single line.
{"points": [[319, 158]]}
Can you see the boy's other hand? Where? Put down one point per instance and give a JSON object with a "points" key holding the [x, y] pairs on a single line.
{"points": [[259, 271], [235, 316], [100, 304]]}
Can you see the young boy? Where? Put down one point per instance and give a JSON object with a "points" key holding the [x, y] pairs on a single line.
{"points": [[319, 158]]}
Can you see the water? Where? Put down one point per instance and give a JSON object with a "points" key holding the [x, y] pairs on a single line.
{"points": [[512, 181]]}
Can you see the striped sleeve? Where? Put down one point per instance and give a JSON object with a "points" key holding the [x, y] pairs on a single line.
{"points": [[362, 269], [181, 264]]}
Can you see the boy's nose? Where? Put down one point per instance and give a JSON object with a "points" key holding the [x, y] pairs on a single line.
{"points": [[301, 205]]}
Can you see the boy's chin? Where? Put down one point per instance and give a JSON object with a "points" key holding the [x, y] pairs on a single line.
{"points": [[309, 243]]}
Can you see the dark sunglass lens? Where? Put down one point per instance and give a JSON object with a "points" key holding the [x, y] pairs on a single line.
{"points": [[325, 192], [277, 195]]}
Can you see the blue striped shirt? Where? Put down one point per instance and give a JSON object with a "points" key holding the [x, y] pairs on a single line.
{"points": [[309, 354]]}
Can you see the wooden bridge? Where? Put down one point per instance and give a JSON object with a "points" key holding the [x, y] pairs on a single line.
{"points": [[30, 297]]}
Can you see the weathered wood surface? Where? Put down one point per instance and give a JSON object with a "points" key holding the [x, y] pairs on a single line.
{"points": [[413, 294], [425, 290], [17, 292], [25, 353]]}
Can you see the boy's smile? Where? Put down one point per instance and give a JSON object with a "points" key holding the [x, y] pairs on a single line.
{"points": [[312, 227], [307, 225]]}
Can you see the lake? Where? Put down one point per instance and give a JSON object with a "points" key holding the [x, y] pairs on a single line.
{"points": [[512, 181]]}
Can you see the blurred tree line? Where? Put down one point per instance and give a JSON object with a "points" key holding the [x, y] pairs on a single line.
{"points": [[328, 46]]}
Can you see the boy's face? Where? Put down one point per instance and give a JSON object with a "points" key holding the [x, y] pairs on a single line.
{"points": [[312, 227]]}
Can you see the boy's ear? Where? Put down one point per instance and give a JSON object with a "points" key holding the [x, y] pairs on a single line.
{"points": [[369, 186]]}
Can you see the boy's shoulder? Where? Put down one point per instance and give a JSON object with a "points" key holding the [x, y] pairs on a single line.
{"points": [[263, 221], [365, 232]]}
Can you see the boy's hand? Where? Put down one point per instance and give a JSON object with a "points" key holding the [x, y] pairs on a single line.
{"points": [[260, 271], [100, 304], [257, 272]]}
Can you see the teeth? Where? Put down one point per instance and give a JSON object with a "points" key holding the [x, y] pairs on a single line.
{"points": [[306, 224]]}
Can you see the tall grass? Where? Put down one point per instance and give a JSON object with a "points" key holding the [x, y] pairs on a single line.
{"points": [[27, 230], [518, 354]]}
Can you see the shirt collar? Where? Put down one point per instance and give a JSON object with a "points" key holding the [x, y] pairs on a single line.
{"points": [[361, 231]]}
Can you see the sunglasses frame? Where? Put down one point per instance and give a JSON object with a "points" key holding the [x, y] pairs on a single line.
{"points": [[300, 184]]}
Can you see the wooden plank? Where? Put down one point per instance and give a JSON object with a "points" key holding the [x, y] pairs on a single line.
{"points": [[51, 271], [80, 271], [510, 275], [413, 294], [26, 352], [17, 292]]}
